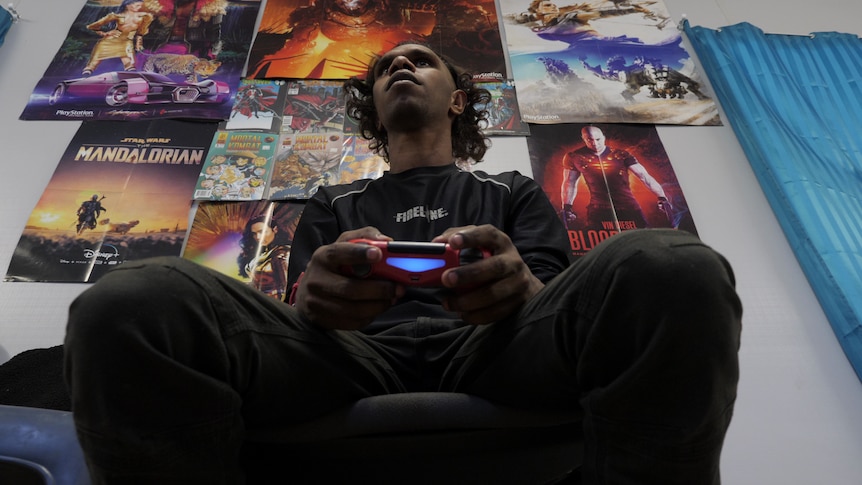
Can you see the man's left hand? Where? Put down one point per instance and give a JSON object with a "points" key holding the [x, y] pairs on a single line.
{"points": [[491, 289]]}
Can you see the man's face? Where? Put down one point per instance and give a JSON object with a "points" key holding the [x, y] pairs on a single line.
{"points": [[354, 7], [594, 139], [411, 84]]}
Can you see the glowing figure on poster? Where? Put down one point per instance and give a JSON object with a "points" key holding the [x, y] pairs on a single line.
{"points": [[606, 172], [89, 213], [121, 35], [264, 254]]}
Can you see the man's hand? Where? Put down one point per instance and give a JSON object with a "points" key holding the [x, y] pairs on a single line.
{"points": [[569, 218], [665, 207], [335, 301], [491, 289]]}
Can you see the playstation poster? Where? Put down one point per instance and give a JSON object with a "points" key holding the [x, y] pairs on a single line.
{"points": [[607, 178], [121, 192], [603, 61], [249, 241], [336, 39], [147, 59]]}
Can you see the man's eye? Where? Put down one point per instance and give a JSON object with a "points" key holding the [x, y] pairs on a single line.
{"points": [[422, 62], [381, 68]]}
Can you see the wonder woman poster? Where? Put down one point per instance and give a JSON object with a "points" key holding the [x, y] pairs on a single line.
{"points": [[336, 39], [249, 241], [603, 61], [146, 59]]}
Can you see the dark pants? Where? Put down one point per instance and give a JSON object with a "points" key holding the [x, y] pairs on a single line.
{"points": [[169, 363]]}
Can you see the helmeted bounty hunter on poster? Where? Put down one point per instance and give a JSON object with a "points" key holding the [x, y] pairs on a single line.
{"points": [[89, 212]]}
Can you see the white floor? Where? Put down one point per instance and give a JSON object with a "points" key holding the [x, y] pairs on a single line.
{"points": [[799, 415]]}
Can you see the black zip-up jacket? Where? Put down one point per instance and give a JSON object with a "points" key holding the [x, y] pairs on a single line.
{"points": [[422, 203]]}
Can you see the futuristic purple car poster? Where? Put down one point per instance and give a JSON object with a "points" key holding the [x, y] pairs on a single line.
{"points": [[147, 59], [603, 61]]}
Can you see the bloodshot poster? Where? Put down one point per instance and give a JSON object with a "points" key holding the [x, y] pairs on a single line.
{"points": [[607, 178]]}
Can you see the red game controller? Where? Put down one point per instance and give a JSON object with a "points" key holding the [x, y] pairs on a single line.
{"points": [[414, 263]]}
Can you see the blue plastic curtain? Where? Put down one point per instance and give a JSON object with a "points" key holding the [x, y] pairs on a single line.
{"points": [[795, 104], [5, 22]]}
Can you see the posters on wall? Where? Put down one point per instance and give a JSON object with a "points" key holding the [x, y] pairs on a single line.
{"points": [[283, 140], [607, 178], [121, 192], [306, 39], [249, 241], [604, 62], [147, 59]]}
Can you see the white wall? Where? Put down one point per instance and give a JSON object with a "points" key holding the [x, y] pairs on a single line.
{"points": [[799, 415]]}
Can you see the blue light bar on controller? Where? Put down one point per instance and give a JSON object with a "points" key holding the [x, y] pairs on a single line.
{"points": [[415, 265]]}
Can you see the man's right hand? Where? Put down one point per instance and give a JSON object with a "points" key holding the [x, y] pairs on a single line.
{"points": [[332, 300], [569, 218]]}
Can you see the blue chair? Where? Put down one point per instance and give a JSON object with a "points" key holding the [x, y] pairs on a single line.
{"points": [[39, 447]]}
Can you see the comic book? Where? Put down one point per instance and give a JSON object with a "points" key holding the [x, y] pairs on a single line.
{"points": [[147, 59], [305, 162], [312, 140], [359, 161], [313, 106], [504, 115], [121, 192], [249, 241], [603, 62], [238, 166], [258, 106], [307, 39], [607, 178]]}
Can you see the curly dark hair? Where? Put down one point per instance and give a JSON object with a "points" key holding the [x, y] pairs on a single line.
{"points": [[468, 141]]}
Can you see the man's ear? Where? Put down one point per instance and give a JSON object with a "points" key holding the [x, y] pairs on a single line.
{"points": [[458, 102]]}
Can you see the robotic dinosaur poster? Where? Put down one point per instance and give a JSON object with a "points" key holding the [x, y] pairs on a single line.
{"points": [[335, 39], [604, 179], [121, 192], [611, 61], [146, 59]]}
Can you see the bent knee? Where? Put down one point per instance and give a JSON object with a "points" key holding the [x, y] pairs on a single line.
{"points": [[133, 294]]}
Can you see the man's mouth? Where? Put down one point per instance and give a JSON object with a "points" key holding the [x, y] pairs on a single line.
{"points": [[401, 76]]}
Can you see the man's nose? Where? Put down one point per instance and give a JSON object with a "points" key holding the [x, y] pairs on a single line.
{"points": [[401, 62]]}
